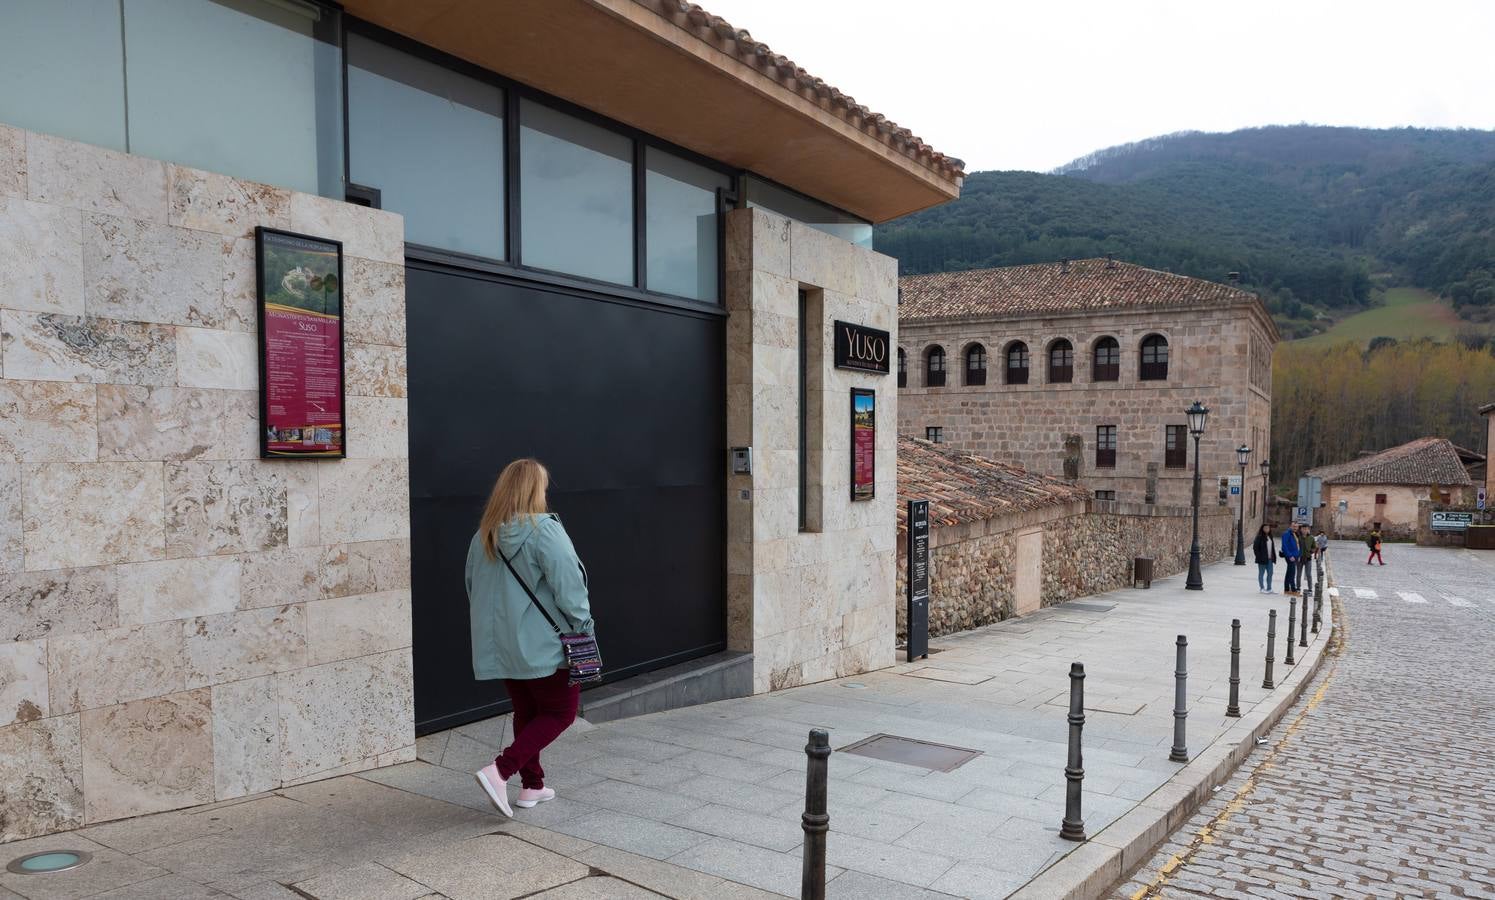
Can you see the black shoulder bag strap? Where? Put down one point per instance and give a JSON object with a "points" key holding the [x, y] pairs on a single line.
{"points": [[532, 598]]}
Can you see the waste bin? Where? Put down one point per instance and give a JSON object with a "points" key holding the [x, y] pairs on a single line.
{"points": [[1142, 571]]}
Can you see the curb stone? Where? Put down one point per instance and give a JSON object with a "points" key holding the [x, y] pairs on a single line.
{"points": [[1088, 871]]}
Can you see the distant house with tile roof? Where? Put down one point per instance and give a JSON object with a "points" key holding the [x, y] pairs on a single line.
{"points": [[1382, 489], [1488, 411], [1084, 368]]}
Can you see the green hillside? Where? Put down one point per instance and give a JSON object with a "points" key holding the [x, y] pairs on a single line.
{"points": [[1304, 213], [1405, 314]]}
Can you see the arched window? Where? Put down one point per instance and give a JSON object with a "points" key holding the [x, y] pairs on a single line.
{"points": [[1107, 360], [975, 365], [1154, 358], [902, 368], [1061, 362], [1017, 363], [934, 367]]}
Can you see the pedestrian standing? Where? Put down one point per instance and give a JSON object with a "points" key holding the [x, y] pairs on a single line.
{"points": [[1374, 543], [1266, 558], [1305, 559], [1290, 557], [1320, 544], [519, 538]]}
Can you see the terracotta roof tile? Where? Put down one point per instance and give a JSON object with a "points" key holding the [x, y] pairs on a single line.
{"points": [[1429, 460], [719, 33], [1487, 409], [1085, 284], [961, 487]]}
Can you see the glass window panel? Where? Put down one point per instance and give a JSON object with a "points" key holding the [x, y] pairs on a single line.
{"points": [[432, 141], [62, 70], [812, 213], [575, 196], [243, 87], [680, 222]]}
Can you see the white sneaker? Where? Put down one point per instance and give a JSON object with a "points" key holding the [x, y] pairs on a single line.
{"points": [[531, 797], [495, 787]]}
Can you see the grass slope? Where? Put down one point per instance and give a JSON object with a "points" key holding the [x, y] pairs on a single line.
{"points": [[1405, 314]]}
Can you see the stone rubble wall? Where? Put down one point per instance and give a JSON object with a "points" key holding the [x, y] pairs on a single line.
{"points": [[1087, 549], [181, 621]]}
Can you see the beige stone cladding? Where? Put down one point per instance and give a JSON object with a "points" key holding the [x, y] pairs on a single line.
{"points": [[810, 604], [1215, 356], [975, 569], [182, 621]]}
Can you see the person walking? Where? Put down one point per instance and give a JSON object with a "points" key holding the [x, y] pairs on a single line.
{"points": [[1266, 558], [1290, 556], [1374, 543], [518, 537]]}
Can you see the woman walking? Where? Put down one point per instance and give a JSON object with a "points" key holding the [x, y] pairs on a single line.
{"points": [[1266, 558], [1374, 543], [519, 538]]}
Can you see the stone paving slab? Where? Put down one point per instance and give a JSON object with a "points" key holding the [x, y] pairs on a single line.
{"points": [[705, 801]]}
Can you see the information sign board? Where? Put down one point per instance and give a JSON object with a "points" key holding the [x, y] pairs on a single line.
{"points": [[918, 579], [299, 284]]}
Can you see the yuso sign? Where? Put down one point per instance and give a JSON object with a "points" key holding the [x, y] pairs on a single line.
{"points": [[861, 348]]}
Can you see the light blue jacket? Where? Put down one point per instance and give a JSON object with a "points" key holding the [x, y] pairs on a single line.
{"points": [[510, 638]]}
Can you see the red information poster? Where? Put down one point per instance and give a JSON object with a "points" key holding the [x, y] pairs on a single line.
{"points": [[863, 443], [301, 345]]}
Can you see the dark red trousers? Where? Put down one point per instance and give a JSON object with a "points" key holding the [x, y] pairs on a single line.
{"points": [[543, 708]]}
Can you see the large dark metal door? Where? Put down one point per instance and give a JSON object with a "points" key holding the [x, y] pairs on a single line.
{"points": [[624, 403]]}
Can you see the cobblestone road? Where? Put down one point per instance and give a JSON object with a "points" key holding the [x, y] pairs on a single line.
{"points": [[1381, 781]]}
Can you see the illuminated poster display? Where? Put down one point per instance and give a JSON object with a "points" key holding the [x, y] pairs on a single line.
{"points": [[300, 290], [863, 443]]}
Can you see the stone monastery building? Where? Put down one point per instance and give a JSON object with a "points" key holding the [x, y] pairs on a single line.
{"points": [[1084, 369]]}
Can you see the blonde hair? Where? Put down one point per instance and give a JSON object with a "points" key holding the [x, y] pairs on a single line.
{"points": [[519, 491]]}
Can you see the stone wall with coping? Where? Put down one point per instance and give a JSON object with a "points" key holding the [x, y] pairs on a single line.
{"points": [[808, 603], [1085, 549], [182, 621]]}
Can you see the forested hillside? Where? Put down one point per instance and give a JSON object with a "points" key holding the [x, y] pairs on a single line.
{"points": [[1312, 217]]}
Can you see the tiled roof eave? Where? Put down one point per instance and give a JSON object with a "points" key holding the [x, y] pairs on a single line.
{"points": [[1072, 313]]}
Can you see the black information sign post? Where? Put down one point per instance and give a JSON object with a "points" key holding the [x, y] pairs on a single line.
{"points": [[918, 579]]}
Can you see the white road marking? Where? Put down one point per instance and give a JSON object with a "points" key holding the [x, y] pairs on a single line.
{"points": [[1411, 597], [1458, 601], [1365, 593]]}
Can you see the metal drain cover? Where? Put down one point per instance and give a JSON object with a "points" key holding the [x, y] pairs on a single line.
{"points": [[911, 752]]}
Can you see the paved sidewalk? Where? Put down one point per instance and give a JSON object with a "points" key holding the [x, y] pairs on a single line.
{"points": [[705, 801]]}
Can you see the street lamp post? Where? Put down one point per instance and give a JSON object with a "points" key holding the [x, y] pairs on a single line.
{"points": [[1266, 478], [1242, 453], [1197, 413]]}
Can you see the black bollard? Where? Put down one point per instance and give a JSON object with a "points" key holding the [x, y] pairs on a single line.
{"points": [[1180, 751], [1292, 628], [1073, 826], [1233, 708], [1303, 639], [1266, 682], [815, 821], [1318, 604]]}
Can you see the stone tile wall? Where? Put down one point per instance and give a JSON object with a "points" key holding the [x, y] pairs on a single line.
{"points": [[1215, 356], [808, 604], [1085, 548], [183, 622]]}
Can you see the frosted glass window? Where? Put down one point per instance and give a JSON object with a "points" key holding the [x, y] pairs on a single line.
{"points": [[432, 141], [242, 87], [62, 69], [810, 212], [680, 202], [575, 196]]}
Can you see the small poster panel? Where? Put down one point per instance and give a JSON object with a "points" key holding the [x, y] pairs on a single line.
{"points": [[1452, 521], [863, 443], [300, 289], [918, 579]]}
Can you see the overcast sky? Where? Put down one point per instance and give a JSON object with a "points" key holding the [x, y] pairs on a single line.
{"points": [[1032, 84]]}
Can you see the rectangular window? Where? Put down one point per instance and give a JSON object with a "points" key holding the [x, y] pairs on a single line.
{"points": [[62, 67], [934, 434], [680, 226], [1175, 447], [1105, 446], [1253, 501], [1380, 499], [813, 213], [248, 88], [1105, 495], [902, 369], [431, 141], [575, 196]]}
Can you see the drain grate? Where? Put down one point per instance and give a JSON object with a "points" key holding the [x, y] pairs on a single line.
{"points": [[912, 752]]}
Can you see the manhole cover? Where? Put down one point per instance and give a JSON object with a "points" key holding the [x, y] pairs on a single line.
{"points": [[911, 752]]}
